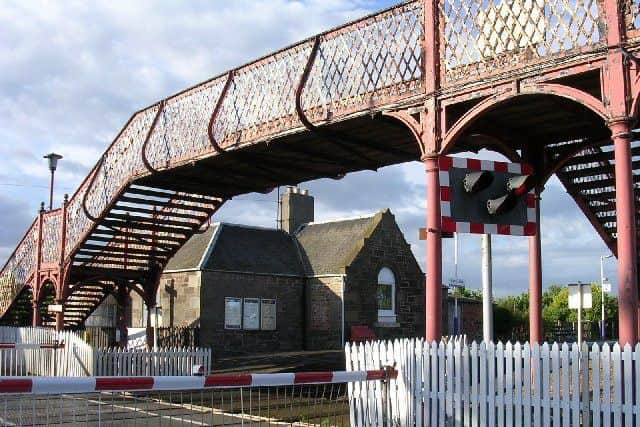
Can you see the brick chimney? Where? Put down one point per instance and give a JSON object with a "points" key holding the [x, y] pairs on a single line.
{"points": [[296, 208]]}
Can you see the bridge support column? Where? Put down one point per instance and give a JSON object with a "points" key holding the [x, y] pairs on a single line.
{"points": [[535, 281], [626, 231], [59, 318], [36, 317], [124, 301], [433, 287], [149, 331]]}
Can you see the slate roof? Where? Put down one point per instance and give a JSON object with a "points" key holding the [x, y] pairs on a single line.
{"points": [[316, 248], [255, 250], [190, 254], [329, 247]]}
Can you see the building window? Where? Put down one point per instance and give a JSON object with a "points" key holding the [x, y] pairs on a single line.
{"points": [[386, 296]]}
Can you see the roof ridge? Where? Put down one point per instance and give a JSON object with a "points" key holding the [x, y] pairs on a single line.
{"points": [[352, 218], [212, 242], [251, 227]]}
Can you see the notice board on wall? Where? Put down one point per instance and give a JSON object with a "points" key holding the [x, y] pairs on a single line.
{"points": [[251, 313], [268, 314], [232, 313]]}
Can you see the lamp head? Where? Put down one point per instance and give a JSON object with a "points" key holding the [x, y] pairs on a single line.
{"points": [[53, 160]]}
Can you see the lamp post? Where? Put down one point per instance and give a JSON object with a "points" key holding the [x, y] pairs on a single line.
{"points": [[604, 289], [53, 164], [456, 284]]}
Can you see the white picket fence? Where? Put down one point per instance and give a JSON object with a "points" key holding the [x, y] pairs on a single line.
{"points": [[165, 361], [501, 384], [75, 357]]}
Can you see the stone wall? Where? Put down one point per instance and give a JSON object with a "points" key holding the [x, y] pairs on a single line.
{"points": [[288, 291], [385, 247], [179, 297], [324, 313]]}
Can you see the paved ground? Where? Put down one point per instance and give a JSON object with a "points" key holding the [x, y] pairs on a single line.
{"points": [[295, 361], [175, 409], [314, 405], [111, 410]]}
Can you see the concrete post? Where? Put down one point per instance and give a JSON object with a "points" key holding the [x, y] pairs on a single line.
{"points": [[433, 288], [626, 230], [487, 291]]}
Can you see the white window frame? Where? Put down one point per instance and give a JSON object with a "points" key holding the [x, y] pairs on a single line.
{"points": [[387, 279]]}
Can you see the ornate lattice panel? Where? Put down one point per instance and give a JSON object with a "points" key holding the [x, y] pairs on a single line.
{"points": [[484, 36], [181, 130], [261, 98], [18, 268], [77, 222], [368, 63], [121, 162], [359, 66], [51, 236]]}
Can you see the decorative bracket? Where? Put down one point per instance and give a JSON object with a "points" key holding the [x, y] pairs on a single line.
{"points": [[89, 186], [216, 111], [145, 160]]}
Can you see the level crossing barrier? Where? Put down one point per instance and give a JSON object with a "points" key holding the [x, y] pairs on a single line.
{"points": [[301, 399]]}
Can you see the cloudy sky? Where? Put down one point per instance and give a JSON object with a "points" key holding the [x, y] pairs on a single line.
{"points": [[74, 71]]}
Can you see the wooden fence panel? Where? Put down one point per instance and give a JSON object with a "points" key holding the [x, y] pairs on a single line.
{"points": [[456, 384]]}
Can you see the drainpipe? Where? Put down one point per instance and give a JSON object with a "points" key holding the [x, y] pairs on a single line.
{"points": [[344, 284]]}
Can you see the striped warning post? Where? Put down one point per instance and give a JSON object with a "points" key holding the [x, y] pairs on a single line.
{"points": [[71, 385]]}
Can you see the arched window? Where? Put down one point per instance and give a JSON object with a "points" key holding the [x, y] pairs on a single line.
{"points": [[386, 295]]}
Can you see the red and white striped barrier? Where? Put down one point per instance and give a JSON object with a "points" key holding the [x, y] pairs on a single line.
{"points": [[29, 346], [70, 385]]}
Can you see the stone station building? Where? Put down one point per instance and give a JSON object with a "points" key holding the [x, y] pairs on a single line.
{"points": [[302, 287]]}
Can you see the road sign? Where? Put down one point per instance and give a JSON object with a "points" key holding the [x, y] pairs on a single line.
{"points": [[486, 197], [579, 298], [574, 295], [54, 308], [606, 287]]}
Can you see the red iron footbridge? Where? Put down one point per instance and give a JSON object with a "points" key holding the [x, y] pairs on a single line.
{"points": [[554, 83]]}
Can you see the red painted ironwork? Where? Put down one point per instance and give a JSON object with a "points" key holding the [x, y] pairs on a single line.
{"points": [[433, 288], [143, 151], [216, 112], [438, 67], [535, 281]]}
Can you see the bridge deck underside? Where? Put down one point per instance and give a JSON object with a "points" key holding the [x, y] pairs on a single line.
{"points": [[358, 144]]}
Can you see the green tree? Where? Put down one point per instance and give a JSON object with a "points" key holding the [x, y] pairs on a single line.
{"points": [[511, 313], [467, 293]]}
